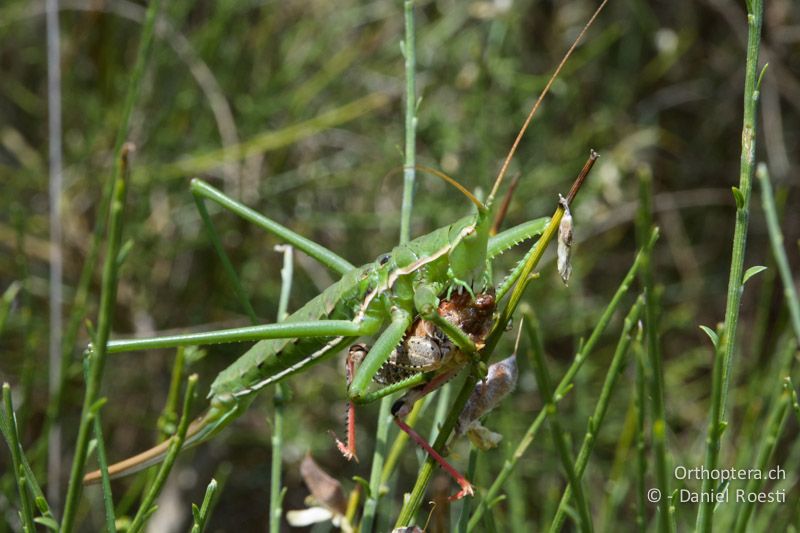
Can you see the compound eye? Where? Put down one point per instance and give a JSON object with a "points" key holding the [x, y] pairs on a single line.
{"points": [[384, 259]]}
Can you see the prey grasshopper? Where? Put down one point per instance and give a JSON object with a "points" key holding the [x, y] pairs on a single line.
{"points": [[409, 286]]}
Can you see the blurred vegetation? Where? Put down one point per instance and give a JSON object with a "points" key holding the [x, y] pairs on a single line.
{"points": [[295, 108]]}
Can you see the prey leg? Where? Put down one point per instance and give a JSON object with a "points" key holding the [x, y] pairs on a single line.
{"points": [[354, 357]]}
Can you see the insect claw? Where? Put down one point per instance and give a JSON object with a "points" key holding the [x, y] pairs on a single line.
{"points": [[347, 451], [466, 490]]}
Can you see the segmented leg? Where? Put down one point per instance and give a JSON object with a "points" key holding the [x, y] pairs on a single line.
{"points": [[355, 356]]}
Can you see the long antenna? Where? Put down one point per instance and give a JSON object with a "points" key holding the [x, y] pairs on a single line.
{"points": [[513, 150]]}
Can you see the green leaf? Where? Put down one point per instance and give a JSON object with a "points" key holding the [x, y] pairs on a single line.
{"points": [[711, 335], [364, 485], [752, 271], [96, 406], [47, 521], [739, 197], [41, 504], [196, 514]]}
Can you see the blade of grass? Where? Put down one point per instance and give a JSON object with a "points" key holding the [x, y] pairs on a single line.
{"points": [[723, 361], [596, 420], [778, 251], [559, 438], [98, 352], [147, 508], [564, 385]]}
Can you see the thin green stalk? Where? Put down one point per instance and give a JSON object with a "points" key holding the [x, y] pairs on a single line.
{"points": [[201, 515], [78, 312], [641, 449], [169, 416], [102, 460], [238, 289], [11, 434], [97, 354], [596, 420], [409, 175], [774, 427], [656, 381], [778, 251], [564, 385], [108, 498], [559, 438], [278, 401], [723, 362], [147, 508]]}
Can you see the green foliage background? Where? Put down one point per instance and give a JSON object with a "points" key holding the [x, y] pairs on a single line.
{"points": [[307, 99]]}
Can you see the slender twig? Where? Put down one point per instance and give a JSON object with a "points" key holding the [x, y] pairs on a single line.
{"points": [[409, 175], [278, 401], [147, 508], [778, 251], [559, 438], [563, 386], [723, 362], [596, 420], [200, 516], [97, 353], [11, 435]]}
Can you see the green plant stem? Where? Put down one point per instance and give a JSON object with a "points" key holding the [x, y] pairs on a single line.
{"points": [[778, 251], [409, 175], [169, 416], [97, 354], [564, 385], [559, 438], [640, 401], [656, 376], [202, 514], [596, 420], [108, 498], [773, 429], [11, 434], [146, 509], [278, 401], [723, 361]]}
